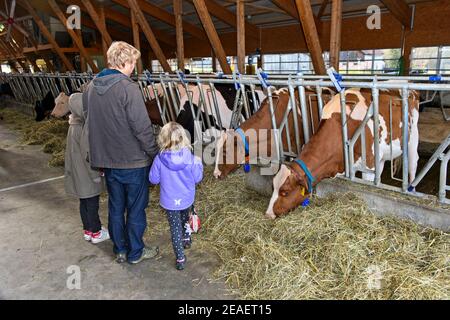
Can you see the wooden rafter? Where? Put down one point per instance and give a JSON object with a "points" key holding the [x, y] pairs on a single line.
{"points": [[400, 10], [240, 17], [133, 5], [101, 16], [290, 8], [77, 40], [211, 32], [98, 23], [164, 16], [136, 39], [26, 5], [311, 36], [225, 15], [178, 12], [335, 36], [322, 9], [121, 19]]}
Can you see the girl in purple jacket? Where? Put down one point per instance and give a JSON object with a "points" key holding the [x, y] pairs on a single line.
{"points": [[177, 171]]}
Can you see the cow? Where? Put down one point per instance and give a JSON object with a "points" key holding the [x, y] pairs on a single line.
{"points": [[226, 163], [323, 156], [225, 95], [5, 90]]}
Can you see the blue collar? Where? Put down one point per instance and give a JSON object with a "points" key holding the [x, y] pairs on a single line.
{"points": [[244, 140], [309, 176], [247, 166]]}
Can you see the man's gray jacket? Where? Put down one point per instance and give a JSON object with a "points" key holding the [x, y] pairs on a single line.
{"points": [[120, 132]]}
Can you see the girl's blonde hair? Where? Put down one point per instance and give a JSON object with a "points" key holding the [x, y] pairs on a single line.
{"points": [[173, 137], [120, 52]]}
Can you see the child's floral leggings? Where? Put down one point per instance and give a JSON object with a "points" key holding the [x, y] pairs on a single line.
{"points": [[177, 222]]}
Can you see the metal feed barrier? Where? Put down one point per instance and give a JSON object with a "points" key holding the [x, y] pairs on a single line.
{"points": [[168, 90]]}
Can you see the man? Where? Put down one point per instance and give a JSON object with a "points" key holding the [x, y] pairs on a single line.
{"points": [[121, 142]]}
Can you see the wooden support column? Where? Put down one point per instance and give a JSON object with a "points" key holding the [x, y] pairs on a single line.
{"points": [[214, 61], [98, 22], [311, 36], [101, 16], [211, 32], [336, 31], [178, 12], [79, 43], [149, 35], [48, 64], [83, 64], [240, 14], [136, 40]]}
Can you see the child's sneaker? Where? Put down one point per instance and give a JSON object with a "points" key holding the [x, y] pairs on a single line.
{"points": [[87, 235], [180, 264], [100, 236]]}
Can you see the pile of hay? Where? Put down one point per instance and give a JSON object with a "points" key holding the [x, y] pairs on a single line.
{"points": [[335, 249], [50, 134]]}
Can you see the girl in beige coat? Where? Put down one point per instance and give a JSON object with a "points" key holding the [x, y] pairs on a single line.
{"points": [[81, 180]]}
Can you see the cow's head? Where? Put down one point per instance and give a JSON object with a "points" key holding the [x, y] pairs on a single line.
{"points": [[290, 190], [61, 106], [230, 154]]}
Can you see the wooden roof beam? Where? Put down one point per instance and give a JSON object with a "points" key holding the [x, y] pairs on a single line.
{"points": [[98, 23], [400, 10], [229, 17], [78, 41], [123, 20], [211, 32], [164, 16], [140, 17], [311, 36], [290, 8], [46, 33]]}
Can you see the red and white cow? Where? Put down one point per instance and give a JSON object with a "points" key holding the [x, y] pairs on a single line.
{"points": [[230, 152], [323, 156]]}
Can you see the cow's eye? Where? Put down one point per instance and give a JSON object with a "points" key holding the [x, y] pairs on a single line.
{"points": [[284, 193]]}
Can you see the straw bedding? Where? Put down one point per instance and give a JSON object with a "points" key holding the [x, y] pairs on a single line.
{"points": [[335, 249], [50, 134]]}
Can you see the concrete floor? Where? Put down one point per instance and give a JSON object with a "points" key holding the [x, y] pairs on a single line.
{"points": [[41, 237]]}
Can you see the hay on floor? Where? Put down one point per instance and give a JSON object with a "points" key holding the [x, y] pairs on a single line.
{"points": [[51, 134], [335, 249]]}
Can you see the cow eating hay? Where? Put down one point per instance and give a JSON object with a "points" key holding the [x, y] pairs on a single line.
{"points": [[334, 249]]}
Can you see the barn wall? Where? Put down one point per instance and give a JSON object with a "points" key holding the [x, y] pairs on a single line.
{"points": [[431, 28]]}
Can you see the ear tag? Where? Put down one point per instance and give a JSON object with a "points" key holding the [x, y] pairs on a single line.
{"points": [[302, 191], [306, 203]]}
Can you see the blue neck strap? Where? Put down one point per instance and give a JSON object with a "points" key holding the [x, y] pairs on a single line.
{"points": [[309, 176], [242, 134]]}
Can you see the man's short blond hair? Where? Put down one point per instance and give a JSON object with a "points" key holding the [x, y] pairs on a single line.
{"points": [[120, 52]]}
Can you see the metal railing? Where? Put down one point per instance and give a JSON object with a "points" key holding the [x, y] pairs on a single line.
{"points": [[168, 90]]}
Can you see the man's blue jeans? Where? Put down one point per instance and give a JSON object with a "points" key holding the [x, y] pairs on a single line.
{"points": [[128, 189]]}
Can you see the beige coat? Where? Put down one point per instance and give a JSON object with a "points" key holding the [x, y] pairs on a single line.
{"points": [[80, 180]]}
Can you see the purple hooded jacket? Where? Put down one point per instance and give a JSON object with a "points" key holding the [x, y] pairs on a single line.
{"points": [[178, 172]]}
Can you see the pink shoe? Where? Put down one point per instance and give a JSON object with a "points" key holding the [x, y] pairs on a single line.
{"points": [[87, 235], [100, 236]]}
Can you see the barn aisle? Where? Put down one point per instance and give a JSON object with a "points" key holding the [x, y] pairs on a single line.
{"points": [[41, 237]]}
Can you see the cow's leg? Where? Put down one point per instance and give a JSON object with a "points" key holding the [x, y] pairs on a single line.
{"points": [[413, 144]]}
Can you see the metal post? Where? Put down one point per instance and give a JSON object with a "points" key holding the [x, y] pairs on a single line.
{"points": [[376, 130], [304, 110], [345, 133], [443, 178], [405, 132]]}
